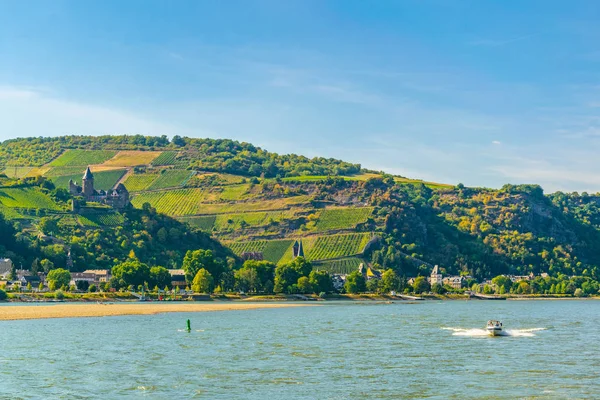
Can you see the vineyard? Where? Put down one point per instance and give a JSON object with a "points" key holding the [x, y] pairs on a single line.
{"points": [[26, 198], [205, 223], [103, 180], [226, 221], [16, 172], [139, 182], [102, 219], [343, 266], [169, 178], [174, 202], [11, 213], [335, 246], [166, 158], [132, 158], [273, 250], [342, 218], [234, 192], [82, 158]]}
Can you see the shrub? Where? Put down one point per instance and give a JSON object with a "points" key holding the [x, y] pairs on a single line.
{"points": [[59, 295], [3, 295]]}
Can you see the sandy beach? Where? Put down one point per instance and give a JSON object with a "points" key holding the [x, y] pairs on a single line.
{"points": [[103, 310]]}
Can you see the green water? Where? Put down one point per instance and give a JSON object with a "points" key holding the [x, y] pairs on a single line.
{"points": [[338, 351]]}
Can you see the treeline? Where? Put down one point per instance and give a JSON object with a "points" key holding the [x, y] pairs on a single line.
{"points": [[217, 155]]}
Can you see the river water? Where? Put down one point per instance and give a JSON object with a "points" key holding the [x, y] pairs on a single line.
{"points": [[432, 350]]}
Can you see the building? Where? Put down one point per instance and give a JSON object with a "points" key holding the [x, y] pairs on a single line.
{"points": [[456, 282], [117, 198], [297, 249], [177, 278], [436, 276], [100, 275], [6, 266], [76, 277]]}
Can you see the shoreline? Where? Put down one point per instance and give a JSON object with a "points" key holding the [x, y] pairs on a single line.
{"points": [[80, 310]]}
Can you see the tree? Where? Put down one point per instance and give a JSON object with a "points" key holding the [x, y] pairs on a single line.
{"points": [[438, 289], [287, 275], [48, 225], [390, 281], [420, 285], [355, 283], [255, 276], [502, 281], [159, 276], [82, 285], [321, 281], [3, 295], [47, 265], [203, 282], [92, 288], [58, 278], [130, 272], [304, 285], [199, 259]]}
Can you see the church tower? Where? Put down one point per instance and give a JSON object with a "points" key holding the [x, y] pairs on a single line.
{"points": [[88, 183]]}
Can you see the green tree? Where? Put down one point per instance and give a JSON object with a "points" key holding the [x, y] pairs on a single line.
{"points": [[420, 285], [159, 276], [502, 281], [3, 295], [355, 283], [131, 272], [256, 276], [287, 275], [92, 288], [48, 225], [47, 265], [321, 281], [203, 282], [390, 281], [304, 285], [58, 278], [201, 259]]}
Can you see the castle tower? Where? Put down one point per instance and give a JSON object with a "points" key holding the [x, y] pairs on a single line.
{"points": [[87, 183]]}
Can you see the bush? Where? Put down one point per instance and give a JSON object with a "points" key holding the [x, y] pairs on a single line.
{"points": [[3, 295], [92, 288], [59, 295], [578, 292]]}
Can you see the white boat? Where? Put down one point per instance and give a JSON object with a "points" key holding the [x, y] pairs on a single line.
{"points": [[494, 328]]}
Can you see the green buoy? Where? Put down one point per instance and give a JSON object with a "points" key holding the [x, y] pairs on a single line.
{"points": [[189, 327]]}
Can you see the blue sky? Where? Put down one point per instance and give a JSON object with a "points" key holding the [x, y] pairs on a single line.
{"points": [[478, 92]]}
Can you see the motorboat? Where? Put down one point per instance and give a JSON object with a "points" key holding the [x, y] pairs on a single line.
{"points": [[494, 328]]}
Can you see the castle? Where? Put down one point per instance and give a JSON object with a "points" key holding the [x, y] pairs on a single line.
{"points": [[116, 198]]}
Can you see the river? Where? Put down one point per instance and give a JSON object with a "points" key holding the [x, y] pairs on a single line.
{"points": [[431, 349]]}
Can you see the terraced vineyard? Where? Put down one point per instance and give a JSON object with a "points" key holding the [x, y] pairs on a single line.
{"points": [[234, 192], [174, 202], [139, 182], [342, 218], [11, 213], [86, 222], [166, 158], [170, 178], [16, 172], [26, 198], [82, 157], [103, 180], [132, 158], [205, 223], [226, 221], [343, 266], [273, 250], [335, 246], [105, 219]]}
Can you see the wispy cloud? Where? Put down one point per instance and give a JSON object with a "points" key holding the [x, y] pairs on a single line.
{"points": [[500, 42]]}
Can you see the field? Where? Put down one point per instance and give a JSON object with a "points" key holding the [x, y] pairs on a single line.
{"points": [[139, 182], [11, 213], [16, 172], [273, 250], [342, 266], [26, 198], [82, 157], [335, 246], [234, 192], [205, 223], [132, 158], [166, 158], [170, 178], [101, 219], [103, 180], [226, 221], [342, 218], [180, 202]]}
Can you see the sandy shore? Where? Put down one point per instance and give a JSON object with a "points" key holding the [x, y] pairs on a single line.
{"points": [[104, 310]]}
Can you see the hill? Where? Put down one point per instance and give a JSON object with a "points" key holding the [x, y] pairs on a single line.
{"points": [[257, 202]]}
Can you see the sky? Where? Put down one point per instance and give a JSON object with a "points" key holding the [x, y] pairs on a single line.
{"points": [[475, 92]]}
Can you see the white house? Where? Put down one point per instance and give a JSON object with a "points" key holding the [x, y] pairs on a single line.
{"points": [[5, 267]]}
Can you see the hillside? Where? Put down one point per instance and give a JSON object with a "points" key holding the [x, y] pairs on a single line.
{"points": [[253, 201]]}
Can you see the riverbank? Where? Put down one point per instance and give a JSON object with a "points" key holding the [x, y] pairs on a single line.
{"points": [[108, 310]]}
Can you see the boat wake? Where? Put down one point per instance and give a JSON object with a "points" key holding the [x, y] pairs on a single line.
{"points": [[475, 332]]}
